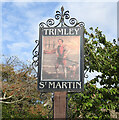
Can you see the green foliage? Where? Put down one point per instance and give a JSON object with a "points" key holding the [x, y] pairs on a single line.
{"points": [[14, 112], [93, 103], [20, 97], [101, 56], [96, 102]]}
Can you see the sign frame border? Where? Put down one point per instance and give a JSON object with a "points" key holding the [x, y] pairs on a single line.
{"points": [[81, 35], [50, 23]]}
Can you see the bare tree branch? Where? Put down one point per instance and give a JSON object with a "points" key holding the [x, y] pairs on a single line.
{"points": [[12, 101], [5, 98]]}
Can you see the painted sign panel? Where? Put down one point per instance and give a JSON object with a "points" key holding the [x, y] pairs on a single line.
{"points": [[61, 59]]}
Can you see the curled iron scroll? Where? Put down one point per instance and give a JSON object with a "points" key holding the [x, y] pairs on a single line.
{"points": [[66, 15], [44, 97], [57, 16], [62, 16], [35, 56], [50, 22]]}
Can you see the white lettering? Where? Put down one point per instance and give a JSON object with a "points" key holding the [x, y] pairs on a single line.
{"points": [[69, 84], [65, 32], [41, 85], [55, 32], [73, 84], [71, 31], [51, 31], [76, 31], [51, 84], [60, 31], [64, 84], [58, 85], [78, 84], [45, 31]]}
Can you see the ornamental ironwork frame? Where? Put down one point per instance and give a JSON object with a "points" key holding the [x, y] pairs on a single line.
{"points": [[63, 19], [61, 16]]}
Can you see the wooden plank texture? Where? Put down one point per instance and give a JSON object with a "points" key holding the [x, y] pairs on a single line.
{"points": [[60, 105]]}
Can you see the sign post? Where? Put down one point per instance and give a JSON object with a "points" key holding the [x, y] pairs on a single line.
{"points": [[60, 59], [60, 105]]}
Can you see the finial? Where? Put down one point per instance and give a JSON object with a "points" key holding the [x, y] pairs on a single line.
{"points": [[62, 9]]}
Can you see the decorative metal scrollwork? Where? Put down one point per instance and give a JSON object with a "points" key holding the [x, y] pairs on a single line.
{"points": [[48, 101], [35, 56], [57, 16], [66, 15], [73, 21], [42, 24], [50, 22], [61, 16], [85, 74]]}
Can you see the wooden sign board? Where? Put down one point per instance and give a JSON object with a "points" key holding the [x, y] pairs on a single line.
{"points": [[61, 59]]}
